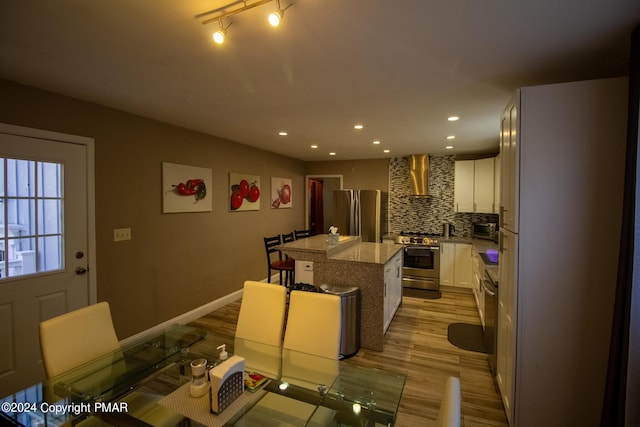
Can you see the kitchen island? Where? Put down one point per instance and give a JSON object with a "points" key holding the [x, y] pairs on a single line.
{"points": [[375, 268]]}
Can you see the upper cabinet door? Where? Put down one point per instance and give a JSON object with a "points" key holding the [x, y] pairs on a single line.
{"points": [[463, 186], [474, 185], [509, 166], [483, 185]]}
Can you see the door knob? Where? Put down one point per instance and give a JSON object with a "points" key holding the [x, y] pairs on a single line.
{"points": [[81, 270]]}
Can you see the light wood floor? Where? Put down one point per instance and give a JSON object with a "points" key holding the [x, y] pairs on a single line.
{"points": [[416, 345]]}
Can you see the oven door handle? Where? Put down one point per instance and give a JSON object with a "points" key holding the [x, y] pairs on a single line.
{"points": [[419, 250], [486, 289]]}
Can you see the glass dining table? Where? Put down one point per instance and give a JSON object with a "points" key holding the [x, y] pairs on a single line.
{"points": [[147, 383]]}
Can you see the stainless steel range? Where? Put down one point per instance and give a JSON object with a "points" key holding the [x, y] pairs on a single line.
{"points": [[421, 268]]}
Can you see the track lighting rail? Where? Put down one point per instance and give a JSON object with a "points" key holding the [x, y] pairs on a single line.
{"points": [[224, 12]]}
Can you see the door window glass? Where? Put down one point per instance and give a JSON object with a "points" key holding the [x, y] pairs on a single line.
{"points": [[31, 232]]}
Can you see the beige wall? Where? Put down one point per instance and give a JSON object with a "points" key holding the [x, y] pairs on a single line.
{"points": [[174, 262], [357, 174]]}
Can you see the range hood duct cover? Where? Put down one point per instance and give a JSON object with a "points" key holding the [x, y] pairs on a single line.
{"points": [[419, 175]]}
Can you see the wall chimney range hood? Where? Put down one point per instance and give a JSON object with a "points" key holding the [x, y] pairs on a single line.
{"points": [[419, 175]]}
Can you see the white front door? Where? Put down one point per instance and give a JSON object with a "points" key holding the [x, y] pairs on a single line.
{"points": [[44, 243]]}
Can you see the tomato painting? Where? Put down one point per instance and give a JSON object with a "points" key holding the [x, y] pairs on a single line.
{"points": [[244, 192], [244, 188], [236, 200], [254, 193]]}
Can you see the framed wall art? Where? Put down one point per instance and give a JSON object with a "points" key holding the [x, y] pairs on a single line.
{"points": [[281, 194], [244, 192], [185, 188]]}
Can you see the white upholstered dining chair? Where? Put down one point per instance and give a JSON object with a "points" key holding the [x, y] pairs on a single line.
{"points": [[314, 324], [313, 334], [449, 415], [262, 312], [77, 337], [259, 328]]}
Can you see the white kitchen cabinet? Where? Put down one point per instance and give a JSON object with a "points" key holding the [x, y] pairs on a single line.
{"points": [[506, 320], [304, 272], [483, 185], [509, 167], [463, 185], [447, 263], [562, 171], [455, 265], [496, 185], [474, 185], [477, 276], [392, 288], [462, 270]]}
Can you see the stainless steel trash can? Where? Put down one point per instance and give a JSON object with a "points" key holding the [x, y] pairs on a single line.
{"points": [[350, 307]]}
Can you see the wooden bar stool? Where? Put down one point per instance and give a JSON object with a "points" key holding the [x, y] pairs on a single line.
{"points": [[287, 238], [300, 234], [277, 263], [290, 280]]}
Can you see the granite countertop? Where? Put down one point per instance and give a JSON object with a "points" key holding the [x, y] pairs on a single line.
{"points": [[320, 244], [482, 245], [368, 252]]}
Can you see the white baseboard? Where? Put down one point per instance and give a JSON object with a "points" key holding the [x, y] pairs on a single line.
{"points": [[194, 314], [187, 317]]}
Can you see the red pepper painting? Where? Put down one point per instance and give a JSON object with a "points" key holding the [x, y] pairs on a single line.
{"points": [[193, 187], [185, 188]]}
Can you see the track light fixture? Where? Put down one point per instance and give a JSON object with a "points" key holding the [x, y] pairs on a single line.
{"points": [[220, 35], [235, 7], [276, 17]]}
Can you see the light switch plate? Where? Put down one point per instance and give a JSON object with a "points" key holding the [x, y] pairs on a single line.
{"points": [[120, 234]]}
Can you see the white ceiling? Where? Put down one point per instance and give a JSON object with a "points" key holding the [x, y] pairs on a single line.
{"points": [[399, 67]]}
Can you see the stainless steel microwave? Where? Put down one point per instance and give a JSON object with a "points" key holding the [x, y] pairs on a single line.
{"points": [[485, 230]]}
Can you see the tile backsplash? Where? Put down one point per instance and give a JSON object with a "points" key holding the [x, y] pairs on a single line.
{"points": [[423, 214]]}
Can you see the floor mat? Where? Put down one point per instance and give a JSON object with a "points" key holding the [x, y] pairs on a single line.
{"points": [[466, 336]]}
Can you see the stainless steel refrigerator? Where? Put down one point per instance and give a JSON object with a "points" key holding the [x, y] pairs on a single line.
{"points": [[361, 213]]}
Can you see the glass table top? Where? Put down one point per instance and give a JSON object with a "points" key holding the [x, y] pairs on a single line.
{"points": [[301, 389]]}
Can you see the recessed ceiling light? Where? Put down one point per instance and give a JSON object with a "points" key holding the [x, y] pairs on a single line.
{"points": [[358, 126], [332, 153], [314, 146], [387, 151], [283, 133], [449, 147], [376, 142], [453, 118], [451, 137]]}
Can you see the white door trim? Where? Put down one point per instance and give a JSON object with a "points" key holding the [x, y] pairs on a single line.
{"points": [[91, 213]]}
